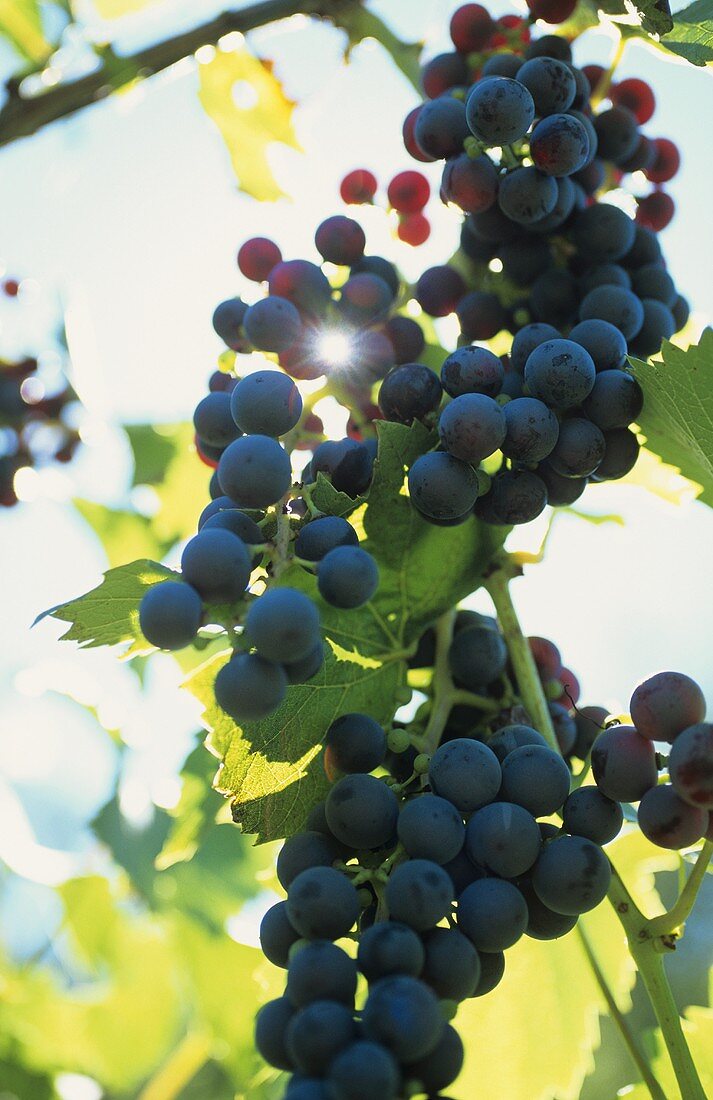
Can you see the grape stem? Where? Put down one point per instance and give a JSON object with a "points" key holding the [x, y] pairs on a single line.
{"points": [[605, 82], [619, 1019], [523, 663], [183, 1063], [670, 922]]}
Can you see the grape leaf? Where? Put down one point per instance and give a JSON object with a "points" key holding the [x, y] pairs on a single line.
{"points": [[359, 23], [330, 501], [692, 34], [109, 614], [654, 15], [248, 130], [677, 418], [153, 448], [21, 25], [123, 534], [165, 457]]}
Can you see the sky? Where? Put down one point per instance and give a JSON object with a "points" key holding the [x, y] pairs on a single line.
{"points": [[128, 216]]}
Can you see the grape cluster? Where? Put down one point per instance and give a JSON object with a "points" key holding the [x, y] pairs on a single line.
{"points": [[436, 866], [674, 812]]}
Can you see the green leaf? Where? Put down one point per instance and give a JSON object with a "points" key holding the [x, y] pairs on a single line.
{"points": [[165, 457], [115, 9], [359, 23], [654, 15], [153, 447], [109, 614], [692, 34], [21, 25], [677, 419], [123, 534], [697, 1024], [248, 130], [330, 501]]}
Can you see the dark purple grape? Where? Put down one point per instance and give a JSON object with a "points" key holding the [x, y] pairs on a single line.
{"points": [[623, 764], [690, 765], [666, 820]]}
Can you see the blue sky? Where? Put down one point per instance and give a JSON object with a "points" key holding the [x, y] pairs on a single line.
{"points": [[129, 213]]}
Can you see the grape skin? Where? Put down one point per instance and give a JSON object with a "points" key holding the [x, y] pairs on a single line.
{"points": [[249, 687], [492, 914], [390, 947], [536, 778], [271, 1025], [571, 876], [217, 564], [477, 656], [532, 430], [623, 764], [472, 427], [323, 534], [170, 614], [499, 110], [442, 1065], [354, 743], [442, 487], [560, 372], [266, 402], [255, 471], [277, 935], [668, 821], [362, 811], [302, 851], [321, 971], [691, 765], [589, 813], [317, 1033], [363, 1069], [403, 1014], [430, 827], [419, 893], [322, 903], [504, 838], [283, 625], [452, 966], [665, 705], [465, 772], [347, 577]]}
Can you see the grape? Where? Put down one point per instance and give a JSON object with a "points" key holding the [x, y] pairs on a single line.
{"points": [[516, 496], [480, 315], [566, 198], [536, 778], [217, 564], [526, 195], [317, 1033], [477, 656], [419, 893], [620, 455], [213, 421], [340, 240], [652, 281], [690, 765], [559, 372], [670, 822], [564, 727], [644, 250], [232, 519], [322, 903], [604, 275], [430, 827], [617, 132], [532, 430], [492, 914], [439, 289], [346, 462], [363, 1069], [470, 184], [637, 96], [580, 448], [408, 134], [210, 456], [409, 392], [551, 11], [589, 813], [452, 967], [347, 577], [302, 851], [524, 260], [492, 225], [471, 26], [617, 305], [358, 186], [362, 811], [277, 934], [283, 624], [666, 704], [443, 1064], [323, 534], [441, 127], [492, 969], [571, 876], [472, 427], [321, 971], [560, 490], [266, 403], [271, 1026], [543, 923], [272, 324], [623, 764], [583, 90], [615, 401], [503, 837], [462, 872], [551, 84], [409, 192], [509, 738], [390, 948], [170, 614], [249, 687], [465, 772], [302, 283], [527, 339], [605, 343], [442, 487], [554, 297], [559, 145], [378, 265], [305, 1088], [365, 298], [591, 177], [657, 325], [354, 743], [406, 337], [443, 72], [472, 370], [589, 722], [299, 672], [666, 163], [403, 1014], [255, 470], [499, 110], [228, 322], [502, 64], [603, 233], [680, 311], [257, 257]]}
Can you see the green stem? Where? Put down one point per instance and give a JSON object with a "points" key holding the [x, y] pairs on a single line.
{"points": [[361, 23], [602, 89], [669, 923], [442, 686], [619, 1019], [523, 663], [179, 1070]]}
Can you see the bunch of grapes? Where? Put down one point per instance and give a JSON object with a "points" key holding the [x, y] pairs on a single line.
{"points": [[435, 865], [407, 193], [38, 423]]}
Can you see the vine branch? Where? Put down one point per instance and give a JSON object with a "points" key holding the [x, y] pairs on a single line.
{"points": [[668, 923]]}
